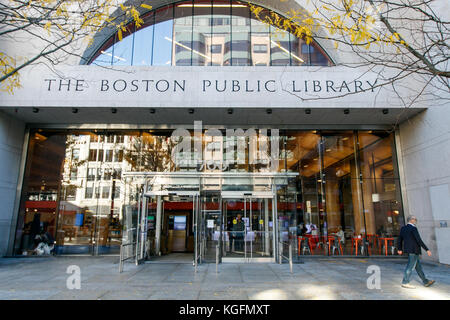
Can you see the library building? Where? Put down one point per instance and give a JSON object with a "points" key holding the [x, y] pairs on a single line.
{"points": [[208, 134]]}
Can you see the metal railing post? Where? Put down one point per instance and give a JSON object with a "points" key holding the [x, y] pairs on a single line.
{"points": [[121, 259], [280, 253], [217, 258], [290, 256]]}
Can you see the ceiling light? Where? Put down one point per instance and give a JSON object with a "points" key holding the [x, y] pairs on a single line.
{"points": [[207, 5], [288, 52], [187, 48]]}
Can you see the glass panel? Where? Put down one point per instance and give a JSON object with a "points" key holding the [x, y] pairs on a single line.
{"points": [[182, 35], [123, 49], [240, 37], [235, 218], [259, 228], [343, 204], [304, 150], [318, 57], [104, 55], [38, 210], [298, 57], [221, 33], [143, 42], [280, 51], [202, 34], [163, 37], [260, 41], [211, 216]]}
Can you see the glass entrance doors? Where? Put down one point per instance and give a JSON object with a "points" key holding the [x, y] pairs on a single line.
{"points": [[168, 222], [248, 233]]}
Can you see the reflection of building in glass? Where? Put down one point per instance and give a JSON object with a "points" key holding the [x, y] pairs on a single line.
{"points": [[92, 198], [187, 35]]}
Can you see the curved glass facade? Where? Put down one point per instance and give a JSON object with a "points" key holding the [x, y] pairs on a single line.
{"points": [[207, 33]]}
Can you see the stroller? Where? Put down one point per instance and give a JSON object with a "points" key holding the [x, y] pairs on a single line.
{"points": [[45, 244]]}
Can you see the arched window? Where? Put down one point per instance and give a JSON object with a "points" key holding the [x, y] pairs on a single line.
{"points": [[207, 33]]}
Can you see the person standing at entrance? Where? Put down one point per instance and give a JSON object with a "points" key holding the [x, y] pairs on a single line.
{"points": [[410, 240], [238, 232]]}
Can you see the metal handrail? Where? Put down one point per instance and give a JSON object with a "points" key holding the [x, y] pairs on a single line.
{"points": [[281, 256], [122, 259]]}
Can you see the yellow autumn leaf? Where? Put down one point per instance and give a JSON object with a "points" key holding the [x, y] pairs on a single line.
{"points": [[146, 6], [47, 26], [119, 34]]}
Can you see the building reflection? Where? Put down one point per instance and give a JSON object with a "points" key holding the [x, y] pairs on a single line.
{"points": [[209, 33], [347, 188]]}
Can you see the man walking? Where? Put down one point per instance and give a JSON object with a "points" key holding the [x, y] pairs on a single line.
{"points": [[413, 245]]}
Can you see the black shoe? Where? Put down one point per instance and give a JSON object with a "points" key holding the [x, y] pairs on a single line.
{"points": [[429, 283]]}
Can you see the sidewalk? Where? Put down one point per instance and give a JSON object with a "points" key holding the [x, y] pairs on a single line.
{"points": [[337, 279]]}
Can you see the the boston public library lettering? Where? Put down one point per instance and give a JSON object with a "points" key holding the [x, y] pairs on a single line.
{"points": [[163, 138]]}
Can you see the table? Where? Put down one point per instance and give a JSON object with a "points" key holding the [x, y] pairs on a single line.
{"points": [[386, 242], [331, 240], [355, 243]]}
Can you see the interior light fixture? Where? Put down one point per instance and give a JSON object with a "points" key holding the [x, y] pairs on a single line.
{"points": [[287, 51], [109, 54], [187, 48], [208, 5]]}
